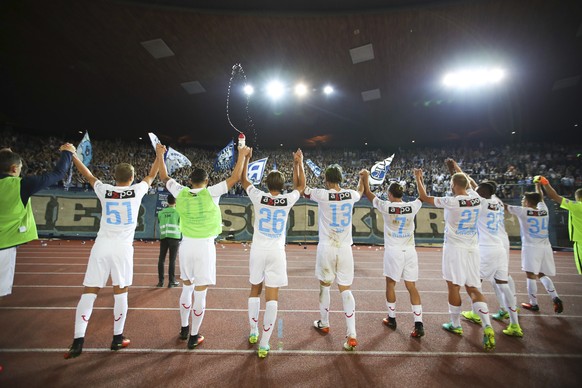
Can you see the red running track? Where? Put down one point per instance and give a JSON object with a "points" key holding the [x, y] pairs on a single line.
{"points": [[37, 323]]}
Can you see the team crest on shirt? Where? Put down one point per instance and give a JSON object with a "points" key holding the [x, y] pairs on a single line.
{"points": [[537, 213], [119, 195], [400, 210], [273, 201], [469, 202], [493, 206], [340, 196]]}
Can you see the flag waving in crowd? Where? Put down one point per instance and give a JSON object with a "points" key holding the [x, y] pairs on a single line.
{"points": [[174, 160], [225, 158], [313, 167], [379, 170], [84, 153], [256, 170]]}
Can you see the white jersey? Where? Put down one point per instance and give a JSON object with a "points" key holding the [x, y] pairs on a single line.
{"points": [[461, 213], [120, 208], [398, 221], [502, 232], [533, 224], [216, 191], [334, 212], [271, 214], [488, 223]]}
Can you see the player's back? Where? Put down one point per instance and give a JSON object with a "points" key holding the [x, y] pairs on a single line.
{"points": [[490, 223], [461, 213], [533, 224], [334, 214], [398, 221], [120, 210]]}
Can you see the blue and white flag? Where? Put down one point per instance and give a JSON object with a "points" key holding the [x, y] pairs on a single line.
{"points": [[256, 170], [225, 158], [274, 165], [379, 170], [313, 167], [174, 160], [84, 153], [85, 150]]}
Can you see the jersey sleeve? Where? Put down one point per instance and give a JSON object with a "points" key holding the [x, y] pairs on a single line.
{"points": [[316, 195], [571, 205], [442, 201], [416, 205], [515, 210], [381, 205], [174, 187], [143, 188], [99, 188], [218, 189], [356, 195], [294, 196], [254, 194], [542, 206]]}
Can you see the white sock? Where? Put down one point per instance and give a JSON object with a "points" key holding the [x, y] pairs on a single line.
{"points": [[532, 290], [268, 322], [510, 302], [499, 295], [119, 312], [198, 311], [511, 284], [455, 312], [483, 311], [186, 304], [350, 312], [254, 306], [83, 314], [549, 285], [417, 312], [391, 309], [324, 301]]}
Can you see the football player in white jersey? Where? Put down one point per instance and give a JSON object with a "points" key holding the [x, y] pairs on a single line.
{"points": [[112, 254], [460, 251], [400, 257], [200, 224], [267, 261], [334, 251], [537, 257]]}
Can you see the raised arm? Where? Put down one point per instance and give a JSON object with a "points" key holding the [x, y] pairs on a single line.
{"points": [[550, 190], [539, 190], [160, 151], [83, 170], [244, 179], [454, 168], [365, 182], [421, 189], [237, 172], [298, 171], [155, 167]]}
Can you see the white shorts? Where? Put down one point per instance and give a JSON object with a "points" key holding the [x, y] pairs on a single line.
{"points": [[197, 258], [332, 262], [7, 265], [109, 257], [461, 266], [494, 264], [269, 266], [538, 259], [401, 262]]}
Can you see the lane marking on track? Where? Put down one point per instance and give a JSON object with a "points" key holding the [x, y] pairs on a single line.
{"points": [[275, 352], [49, 308]]}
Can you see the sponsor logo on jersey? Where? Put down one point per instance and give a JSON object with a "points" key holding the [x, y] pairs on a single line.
{"points": [[120, 195], [340, 196], [493, 206], [273, 201], [469, 202], [537, 213], [400, 210]]}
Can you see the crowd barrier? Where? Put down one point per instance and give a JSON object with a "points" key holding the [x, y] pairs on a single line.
{"points": [[62, 214]]}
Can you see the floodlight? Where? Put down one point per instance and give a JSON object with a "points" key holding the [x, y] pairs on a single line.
{"points": [[248, 89], [328, 90], [476, 77], [300, 90], [275, 89]]}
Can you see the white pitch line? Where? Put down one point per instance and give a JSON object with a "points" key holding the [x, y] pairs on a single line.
{"points": [[276, 352], [366, 312]]}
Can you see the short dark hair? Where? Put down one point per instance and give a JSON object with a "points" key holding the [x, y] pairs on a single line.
{"points": [[490, 187], [396, 190], [275, 181], [123, 172], [171, 199], [198, 176], [8, 159], [533, 198], [333, 174]]}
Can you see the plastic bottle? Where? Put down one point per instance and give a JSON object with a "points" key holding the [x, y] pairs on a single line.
{"points": [[241, 140]]}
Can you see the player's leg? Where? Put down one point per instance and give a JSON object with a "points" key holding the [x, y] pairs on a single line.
{"points": [[325, 272], [418, 330], [453, 273], [120, 307], [161, 260], [390, 320], [578, 256], [509, 301], [121, 278], [345, 278], [7, 266], [173, 248], [532, 291], [186, 251], [254, 305], [480, 307], [394, 260], [269, 318], [454, 299], [548, 267]]}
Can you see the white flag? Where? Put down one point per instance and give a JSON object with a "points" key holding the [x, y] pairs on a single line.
{"points": [[379, 170], [174, 160], [256, 171]]}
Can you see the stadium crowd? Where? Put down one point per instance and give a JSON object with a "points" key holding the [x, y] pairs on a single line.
{"points": [[511, 166]]}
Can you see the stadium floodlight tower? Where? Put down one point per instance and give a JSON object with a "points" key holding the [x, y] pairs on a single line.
{"points": [[473, 78]]}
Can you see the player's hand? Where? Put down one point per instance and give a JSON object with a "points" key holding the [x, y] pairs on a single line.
{"points": [[68, 147], [244, 151], [364, 173], [160, 149], [298, 156], [451, 165], [541, 179], [417, 172]]}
